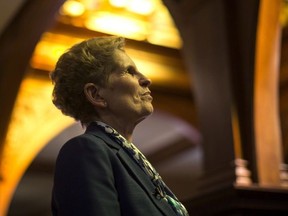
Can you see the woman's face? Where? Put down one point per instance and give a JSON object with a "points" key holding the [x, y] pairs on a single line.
{"points": [[127, 93]]}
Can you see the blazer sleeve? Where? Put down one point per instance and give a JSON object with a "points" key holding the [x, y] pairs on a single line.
{"points": [[84, 180]]}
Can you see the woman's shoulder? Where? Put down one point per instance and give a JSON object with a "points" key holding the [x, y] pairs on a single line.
{"points": [[84, 142]]}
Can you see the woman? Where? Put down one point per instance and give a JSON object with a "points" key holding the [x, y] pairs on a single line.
{"points": [[101, 172]]}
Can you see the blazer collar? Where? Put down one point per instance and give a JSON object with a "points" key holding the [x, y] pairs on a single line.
{"points": [[139, 175], [96, 131]]}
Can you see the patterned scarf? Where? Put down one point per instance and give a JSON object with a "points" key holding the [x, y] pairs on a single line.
{"points": [[162, 191]]}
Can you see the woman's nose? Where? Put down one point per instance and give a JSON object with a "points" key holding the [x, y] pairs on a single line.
{"points": [[144, 81]]}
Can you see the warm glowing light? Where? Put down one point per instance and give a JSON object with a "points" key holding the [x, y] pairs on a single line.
{"points": [[47, 54], [147, 20], [115, 24], [32, 107], [163, 31], [91, 4], [169, 40], [49, 49], [118, 3], [73, 8], [144, 7]]}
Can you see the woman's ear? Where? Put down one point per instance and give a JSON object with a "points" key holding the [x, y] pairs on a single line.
{"points": [[92, 93]]}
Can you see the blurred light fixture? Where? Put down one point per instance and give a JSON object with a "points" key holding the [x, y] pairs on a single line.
{"points": [[92, 4], [118, 3], [142, 20], [163, 29], [72, 8], [115, 24], [55, 50], [49, 49], [143, 7]]}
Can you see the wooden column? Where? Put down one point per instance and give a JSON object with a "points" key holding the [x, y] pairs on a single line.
{"points": [[267, 124], [219, 41], [219, 50]]}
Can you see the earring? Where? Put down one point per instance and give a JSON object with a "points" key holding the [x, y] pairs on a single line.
{"points": [[105, 103]]}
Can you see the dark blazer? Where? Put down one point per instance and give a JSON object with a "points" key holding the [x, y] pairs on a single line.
{"points": [[95, 176]]}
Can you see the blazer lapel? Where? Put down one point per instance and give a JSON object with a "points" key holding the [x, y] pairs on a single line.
{"points": [[138, 174], [143, 180]]}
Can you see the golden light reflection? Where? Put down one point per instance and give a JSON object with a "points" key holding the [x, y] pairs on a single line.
{"points": [[49, 49], [144, 20], [73, 8], [119, 3], [34, 122], [120, 25], [144, 7], [54, 53]]}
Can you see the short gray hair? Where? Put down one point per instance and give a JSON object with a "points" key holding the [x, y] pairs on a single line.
{"points": [[91, 61]]}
